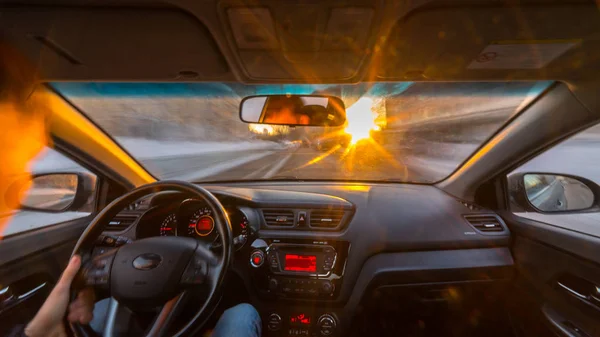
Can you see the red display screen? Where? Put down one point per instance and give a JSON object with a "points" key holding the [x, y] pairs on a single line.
{"points": [[307, 263], [300, 319]]}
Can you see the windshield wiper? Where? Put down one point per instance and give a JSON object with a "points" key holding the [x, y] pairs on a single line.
{"points": [[275, 178], [283, 178]]}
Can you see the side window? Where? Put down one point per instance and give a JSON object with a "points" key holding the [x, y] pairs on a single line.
{"points": [[560, 186], [60, 191]]}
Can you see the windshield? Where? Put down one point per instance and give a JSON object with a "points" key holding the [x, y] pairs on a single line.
{"points": [[410, 132]]}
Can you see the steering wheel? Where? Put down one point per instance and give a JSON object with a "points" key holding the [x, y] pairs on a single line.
{"points": [[157, 271]]}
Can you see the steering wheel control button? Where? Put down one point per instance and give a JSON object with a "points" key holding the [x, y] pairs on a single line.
{"points": [[100, 250], [99, 269], [257, 258], [326, 325], [195, 272], [274, 322], [122, 240]]}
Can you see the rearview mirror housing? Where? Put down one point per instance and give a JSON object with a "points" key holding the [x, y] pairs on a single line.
{"points": [[58, 192], [552, 193], [293, 110]]}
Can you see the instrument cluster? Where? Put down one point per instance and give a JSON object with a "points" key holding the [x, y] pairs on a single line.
{"points": [[195, 219]]}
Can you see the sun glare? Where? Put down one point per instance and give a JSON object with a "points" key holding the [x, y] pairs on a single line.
{"points": [[361, 120], [268, 129], [261, 128]]}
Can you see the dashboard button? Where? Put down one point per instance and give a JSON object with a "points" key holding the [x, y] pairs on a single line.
{"points": [[301, 218], [257, 258], [273, 284], [109, 241]]}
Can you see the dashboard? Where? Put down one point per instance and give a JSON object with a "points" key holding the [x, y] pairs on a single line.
{"points": [[310, 255]]}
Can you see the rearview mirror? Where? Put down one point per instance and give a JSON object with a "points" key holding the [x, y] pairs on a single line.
{"points": [[58, 192], [293, 110], [552, 193]]}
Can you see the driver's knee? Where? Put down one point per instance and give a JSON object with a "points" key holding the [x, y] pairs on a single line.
{"points": [[241, 320]]}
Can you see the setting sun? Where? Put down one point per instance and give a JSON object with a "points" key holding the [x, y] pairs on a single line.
{"points": [[361, 120]]}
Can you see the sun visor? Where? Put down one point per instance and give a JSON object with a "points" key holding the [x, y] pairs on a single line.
{"points": [[115, 44], [556, 42], [300, 42]]}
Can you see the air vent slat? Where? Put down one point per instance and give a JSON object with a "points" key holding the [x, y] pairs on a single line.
{"points": [[120, 223], [326, 218], [279, 217], [485, 223]]}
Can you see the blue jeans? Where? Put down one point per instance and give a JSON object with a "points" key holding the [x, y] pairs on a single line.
{"points": [[239, 321]]}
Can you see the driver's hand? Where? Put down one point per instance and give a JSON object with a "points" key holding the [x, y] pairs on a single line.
{"points": [[49, 319]]}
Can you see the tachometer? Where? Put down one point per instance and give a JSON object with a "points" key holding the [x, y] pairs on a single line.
{"points": [[169, 226], [201, 223]]}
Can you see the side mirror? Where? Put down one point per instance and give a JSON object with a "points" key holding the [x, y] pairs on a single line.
{"points": [[293, 110], [552, 193], [58, 192]]}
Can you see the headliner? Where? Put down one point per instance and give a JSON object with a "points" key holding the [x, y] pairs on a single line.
{"points": [[316, 42]]}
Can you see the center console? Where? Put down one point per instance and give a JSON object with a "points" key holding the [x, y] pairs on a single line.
{"points": [[298, 279]]}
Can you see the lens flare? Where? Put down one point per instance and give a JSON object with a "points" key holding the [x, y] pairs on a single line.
{"points": [[261, 129], [268, 129], [361, 120]]}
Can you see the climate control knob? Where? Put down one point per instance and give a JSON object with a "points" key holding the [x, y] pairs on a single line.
{"points": [[274, 322], [326, 288], [326, 325], [273, 284]]}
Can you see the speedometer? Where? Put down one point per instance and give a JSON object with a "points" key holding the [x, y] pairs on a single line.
{"points": [[201, 223], [169, 226]]}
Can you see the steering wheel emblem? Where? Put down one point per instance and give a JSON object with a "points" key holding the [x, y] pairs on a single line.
{"points": [[147, 261]]}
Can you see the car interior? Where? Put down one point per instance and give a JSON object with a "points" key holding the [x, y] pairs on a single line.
{"points": [[470, 252]]}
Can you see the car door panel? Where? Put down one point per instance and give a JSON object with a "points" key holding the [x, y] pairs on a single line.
{"points": [[557, 270], [30, 265]]}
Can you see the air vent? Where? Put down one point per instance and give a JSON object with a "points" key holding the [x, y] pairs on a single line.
{"points": [[485, 223], [120, 223], [326, 218], [277, 217]]}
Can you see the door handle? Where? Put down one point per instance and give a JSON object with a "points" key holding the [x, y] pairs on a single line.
{"points": [[572, 291], [6, 295], [31, 292], [595, 296], [9, 298], [582, 289]]}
